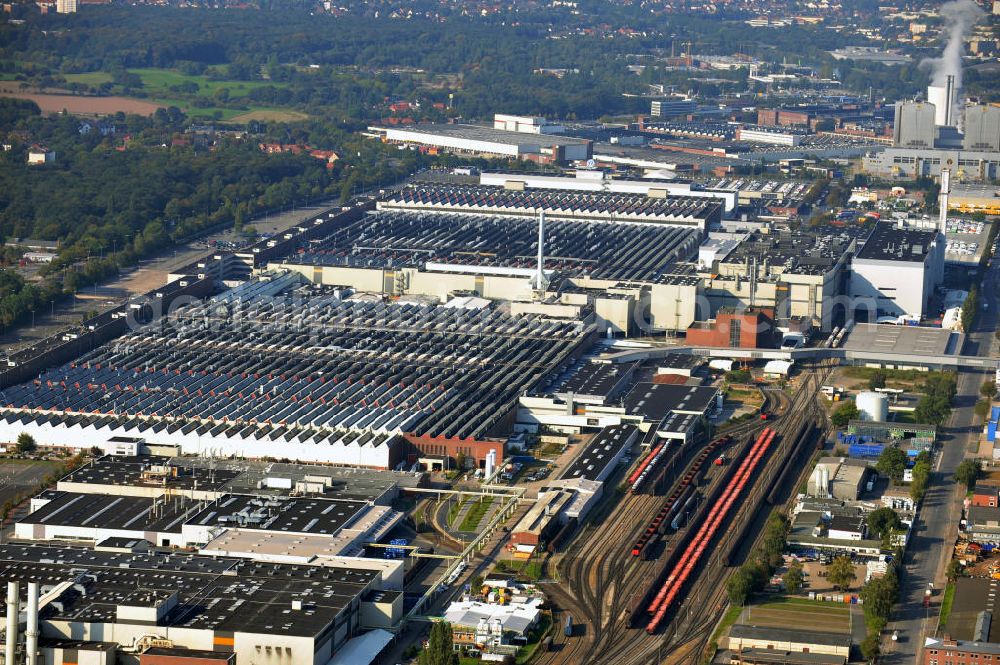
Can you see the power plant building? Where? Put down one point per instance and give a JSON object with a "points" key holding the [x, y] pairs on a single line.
{"points": [[982, 128], [914, 125]]}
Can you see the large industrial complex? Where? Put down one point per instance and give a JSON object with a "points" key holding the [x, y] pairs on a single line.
{"points": [[274, 432], [566, 389]]}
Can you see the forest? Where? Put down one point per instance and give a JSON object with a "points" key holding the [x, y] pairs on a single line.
{"points": [[110, 200], [349, 66]]}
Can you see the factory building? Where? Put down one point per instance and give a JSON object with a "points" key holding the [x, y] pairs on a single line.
{"points": [[769, 135], [601, 181], [299, 372], [799, 275], [525, 124], [746, 329], [181, 605], [646, 405], [585, 199], [613, 256], [207, 479], [897, 268], [488, 141], [671, 107], [185, 523]]}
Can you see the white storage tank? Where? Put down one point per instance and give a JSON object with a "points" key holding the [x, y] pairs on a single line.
{"points": [[873, 406]]}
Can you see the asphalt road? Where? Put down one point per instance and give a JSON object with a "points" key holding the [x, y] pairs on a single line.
{"points": [[937, 526]]}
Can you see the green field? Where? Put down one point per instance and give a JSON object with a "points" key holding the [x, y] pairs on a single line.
{"points": [[476, 514], [809, 614], [157, 84]]}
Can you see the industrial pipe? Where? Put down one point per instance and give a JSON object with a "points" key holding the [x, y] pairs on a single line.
{"points": [[13, 620], [31, 632]]}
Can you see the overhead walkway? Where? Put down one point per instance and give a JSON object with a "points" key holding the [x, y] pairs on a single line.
{"points": [[848, 356]]}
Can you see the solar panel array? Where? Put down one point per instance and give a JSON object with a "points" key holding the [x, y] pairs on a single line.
{"points": [[602, 250], [311, 362]]}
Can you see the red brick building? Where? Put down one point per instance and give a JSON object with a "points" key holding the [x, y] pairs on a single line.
{"points": [[447, 449], [984, 495], [745, 329], [946, 651]]}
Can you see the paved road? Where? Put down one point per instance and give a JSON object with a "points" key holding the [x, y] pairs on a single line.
{"points": [[937, 527]]}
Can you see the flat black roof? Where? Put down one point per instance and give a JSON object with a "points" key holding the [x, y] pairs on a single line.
{"points": [[591, 462], [218, 594], [746, 631], [293, 515], [679, 361], [595, 379], [150, 472], [891, 243], [109, 511], [653, 401]]}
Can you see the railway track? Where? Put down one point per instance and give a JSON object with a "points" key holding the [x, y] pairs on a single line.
{"points": [[600, 582]]}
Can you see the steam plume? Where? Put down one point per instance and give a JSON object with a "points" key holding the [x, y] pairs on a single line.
{"points": [[959, 16]]}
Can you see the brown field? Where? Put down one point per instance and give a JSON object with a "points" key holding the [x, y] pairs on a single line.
{"points": [[269, 116], [79, 105]]}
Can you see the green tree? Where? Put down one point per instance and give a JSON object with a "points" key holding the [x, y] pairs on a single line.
{"points": [[440, 650], [892, 463], [739, 586], [877, 596], [877, 380], [844, 414], [883, 522], [739, 376], [954, 570], [982, 408], [921, 480], [988, 389], [871, 647], [968, 472], [794, 577], [840, 572], [26, 444]]}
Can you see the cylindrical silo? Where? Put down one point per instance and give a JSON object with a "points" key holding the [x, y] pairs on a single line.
{"points": [[873, 406]]}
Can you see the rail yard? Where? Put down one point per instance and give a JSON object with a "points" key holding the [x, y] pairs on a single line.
{"points": [[643, 607]]}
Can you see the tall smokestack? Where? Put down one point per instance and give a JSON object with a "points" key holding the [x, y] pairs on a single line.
{"points": [[13, 611], [31, 631], [943, 200], [959, 17], [949, 98]]}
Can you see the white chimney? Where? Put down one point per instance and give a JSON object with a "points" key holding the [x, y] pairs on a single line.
{"points": [[13, 611], [943, 200], [31, 631]]}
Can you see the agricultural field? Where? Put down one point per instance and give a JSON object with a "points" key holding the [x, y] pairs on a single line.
{"points": [[79, 105], [169, 87]]}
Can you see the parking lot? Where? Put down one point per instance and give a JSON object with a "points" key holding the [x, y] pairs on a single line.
{"points": [[966, 240]]}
